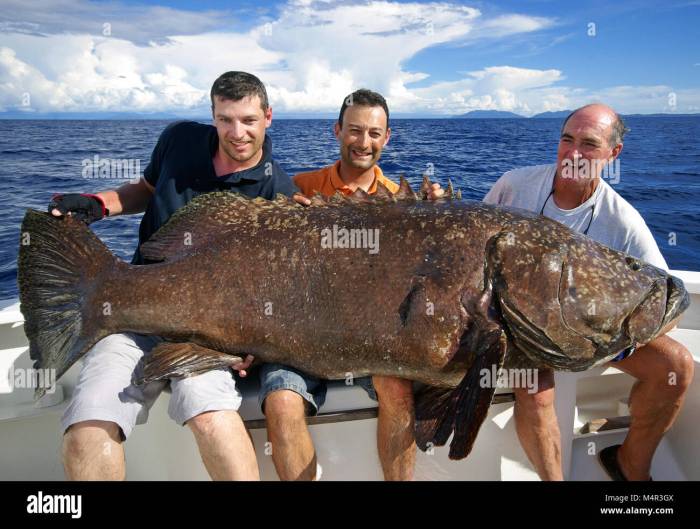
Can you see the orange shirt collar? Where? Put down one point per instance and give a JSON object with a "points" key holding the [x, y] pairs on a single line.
{"points": [[341, 186]]}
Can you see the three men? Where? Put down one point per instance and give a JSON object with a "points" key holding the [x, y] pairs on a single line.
{"points": [[189, 159], [573, 193], [236, 154]]}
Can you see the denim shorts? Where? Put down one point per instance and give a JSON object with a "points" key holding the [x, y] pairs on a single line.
{"points": [[274, 377], [625, 354]]}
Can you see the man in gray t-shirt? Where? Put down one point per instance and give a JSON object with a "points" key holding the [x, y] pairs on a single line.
{"points": [[608, 217], [573, 193]]}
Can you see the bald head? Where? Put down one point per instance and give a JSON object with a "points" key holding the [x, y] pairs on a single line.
{"points": [[603, 114]]}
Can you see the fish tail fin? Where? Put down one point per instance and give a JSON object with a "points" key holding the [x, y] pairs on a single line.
{"points": [[59, 265], [461, 410]]}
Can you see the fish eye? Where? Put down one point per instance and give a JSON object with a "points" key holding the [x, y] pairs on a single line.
{"points": [[633, 264]]}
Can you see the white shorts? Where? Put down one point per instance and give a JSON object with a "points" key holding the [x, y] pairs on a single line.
{"points": [[104, 391]]}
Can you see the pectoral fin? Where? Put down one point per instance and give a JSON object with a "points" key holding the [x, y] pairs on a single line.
{"points": [[461, 410], [183, 359], [474, 401], [433, 421]]}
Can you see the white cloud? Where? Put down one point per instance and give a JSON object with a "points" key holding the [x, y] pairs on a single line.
{"points": [[505, 25], [89, 73], [518, 90], [647, 99], [138, 23], [344, 46], [310, 55]]}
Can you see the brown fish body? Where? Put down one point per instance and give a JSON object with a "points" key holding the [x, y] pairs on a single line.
{"points": [[329, 311], [434, 292]]}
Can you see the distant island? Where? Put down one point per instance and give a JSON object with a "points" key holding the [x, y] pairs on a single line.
{"points": [[556, 114], [95, 116], [660, 115], [489, 114], [559, 114]]}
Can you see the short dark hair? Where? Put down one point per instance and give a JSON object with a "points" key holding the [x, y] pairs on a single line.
{"points": [[619, 129], [237, 85], [367, 98]]}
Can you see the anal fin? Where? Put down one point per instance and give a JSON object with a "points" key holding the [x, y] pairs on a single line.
{"points": [[181, 359]]}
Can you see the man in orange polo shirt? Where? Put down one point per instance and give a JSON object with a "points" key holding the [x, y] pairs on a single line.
{"points": [[328, 180], [286, 394]]}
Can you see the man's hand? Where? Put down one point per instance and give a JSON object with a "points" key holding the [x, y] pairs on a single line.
{"points": [[435, 191], [301, 199], [241, 368], [84, 207]]}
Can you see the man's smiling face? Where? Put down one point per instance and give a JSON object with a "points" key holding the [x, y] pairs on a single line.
{"points": [[241, 126], [585, 143], [362, 136]]}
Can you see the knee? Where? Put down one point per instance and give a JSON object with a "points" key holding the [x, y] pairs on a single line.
{"points": [[284, 407], [679, 367], [393, 392], [206, 423], [84, 437], [536, 404], [539, 401]]}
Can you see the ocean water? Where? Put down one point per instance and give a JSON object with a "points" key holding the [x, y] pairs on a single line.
{"points": [[659, 168]]}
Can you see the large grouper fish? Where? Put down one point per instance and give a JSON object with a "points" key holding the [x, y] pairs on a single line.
{"points": [[446, 289]]}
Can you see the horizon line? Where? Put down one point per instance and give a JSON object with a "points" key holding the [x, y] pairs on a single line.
{"points": [[128, 116]]}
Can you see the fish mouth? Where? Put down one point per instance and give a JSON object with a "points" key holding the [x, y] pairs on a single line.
{"points": [[677, 301]]}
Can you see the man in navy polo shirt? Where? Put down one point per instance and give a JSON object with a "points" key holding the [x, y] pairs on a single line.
{"points": [[189, 159]]}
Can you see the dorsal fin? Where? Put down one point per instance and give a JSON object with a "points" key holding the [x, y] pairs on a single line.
{"points": [[383, 193], [359, 195], [449, 193], [337, 198], [425, 187], [405, 192], [195, 224], [318, 199], [281, 199]]}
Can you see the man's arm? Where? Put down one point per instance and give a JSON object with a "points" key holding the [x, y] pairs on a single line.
{"points": [[128, 199], [495, 194], [642, 245]]}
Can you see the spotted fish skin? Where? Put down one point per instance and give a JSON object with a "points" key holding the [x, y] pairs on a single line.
{"points": [[428, 291]]}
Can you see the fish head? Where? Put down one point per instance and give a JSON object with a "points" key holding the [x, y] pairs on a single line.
{"points": [[571, 303], [615, 300], [661, 308]]}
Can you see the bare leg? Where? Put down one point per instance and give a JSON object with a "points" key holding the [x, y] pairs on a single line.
{"points": [[92, 450], [663, 369], [292, 448], [225, 446], [538, 428], [395, 439]]}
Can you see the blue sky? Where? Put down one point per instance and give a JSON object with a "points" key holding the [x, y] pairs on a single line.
{"points": [[426, 57]]}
